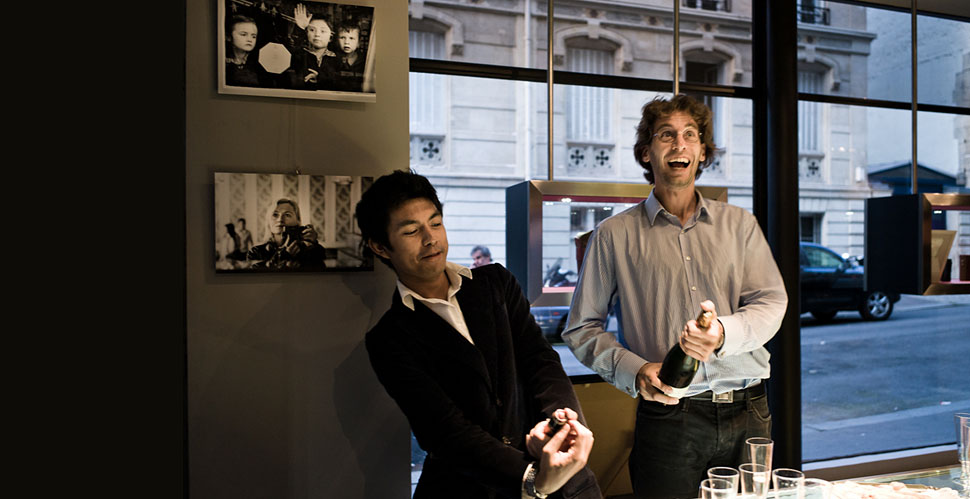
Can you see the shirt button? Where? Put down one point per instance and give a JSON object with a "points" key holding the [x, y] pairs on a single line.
{"points": [[693, 288], [687, 258], [498, 402]]}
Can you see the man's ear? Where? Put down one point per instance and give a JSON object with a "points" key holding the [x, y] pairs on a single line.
{"points": [[378, 249]]}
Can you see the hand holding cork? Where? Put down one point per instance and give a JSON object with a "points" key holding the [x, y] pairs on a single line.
{"points": [[702, 336]]}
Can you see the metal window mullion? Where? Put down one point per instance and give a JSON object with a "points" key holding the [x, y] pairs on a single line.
{"points": [[912, 38], [549, 82]]}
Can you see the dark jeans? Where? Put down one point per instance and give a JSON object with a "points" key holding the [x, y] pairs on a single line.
{"points": [[675, 445]]}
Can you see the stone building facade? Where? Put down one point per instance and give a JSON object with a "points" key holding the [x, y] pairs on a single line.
{"points": [[476, 136]]}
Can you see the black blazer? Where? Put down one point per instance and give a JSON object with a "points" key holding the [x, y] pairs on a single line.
{"points": [[470, 406]]}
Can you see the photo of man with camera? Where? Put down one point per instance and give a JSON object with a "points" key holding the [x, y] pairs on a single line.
{"points": [[291, 246]]}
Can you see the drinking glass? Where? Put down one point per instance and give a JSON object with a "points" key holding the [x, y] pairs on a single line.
{"points": [[961, 421], [754, 480], [788, 483], [816, 488], [759, 451], [725, 473], [716, 488]]}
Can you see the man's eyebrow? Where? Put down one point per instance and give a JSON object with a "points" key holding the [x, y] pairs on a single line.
{"points": [[402, 223]]}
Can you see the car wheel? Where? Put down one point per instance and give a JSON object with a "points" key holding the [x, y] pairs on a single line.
{"points": [[877, 306], [824, 315]]}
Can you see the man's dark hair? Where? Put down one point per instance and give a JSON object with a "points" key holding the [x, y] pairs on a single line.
{"points": [[661, 107], [484, 249], [385, 195]]}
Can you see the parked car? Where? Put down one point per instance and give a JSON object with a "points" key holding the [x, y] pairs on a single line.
{"points": [[552, 321], [831, 284]]}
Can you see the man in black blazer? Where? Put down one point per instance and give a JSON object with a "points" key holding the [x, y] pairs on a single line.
{"points": [[462, 356]]}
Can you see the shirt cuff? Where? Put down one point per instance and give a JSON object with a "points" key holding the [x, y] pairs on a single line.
{"points": [[733, 338], [626, 373]]}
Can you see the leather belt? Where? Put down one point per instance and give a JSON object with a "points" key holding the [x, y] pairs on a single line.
{"points": [[728, 397]]}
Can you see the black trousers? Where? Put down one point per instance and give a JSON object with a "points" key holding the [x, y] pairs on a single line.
{"points": [[675, 445]]}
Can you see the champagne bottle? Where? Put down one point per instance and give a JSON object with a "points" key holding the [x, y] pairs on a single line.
{"points": [[678, 368], [554, 423]]}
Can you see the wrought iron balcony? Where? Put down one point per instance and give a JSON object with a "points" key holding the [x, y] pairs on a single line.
{"points": [[813, 15], [721, 5]]}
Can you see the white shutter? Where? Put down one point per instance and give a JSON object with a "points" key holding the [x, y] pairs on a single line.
{"points": [[426, 105], [809, 113], [588, 109]]}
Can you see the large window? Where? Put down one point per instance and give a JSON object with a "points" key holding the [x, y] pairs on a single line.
{"points": [[488, 107], [855, 399]]}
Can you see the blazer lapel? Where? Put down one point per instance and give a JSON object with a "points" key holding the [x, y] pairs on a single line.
{"points": [[476, 307], [426, 326]]}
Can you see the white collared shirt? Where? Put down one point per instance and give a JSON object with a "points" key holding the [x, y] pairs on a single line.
{"points": [[446, 309]]}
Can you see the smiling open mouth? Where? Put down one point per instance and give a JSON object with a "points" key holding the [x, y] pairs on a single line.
{"points": [[679, 163]]}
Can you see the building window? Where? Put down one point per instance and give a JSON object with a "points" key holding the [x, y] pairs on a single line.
{"points": [[810, 155], [813, 12], [809, 113], [721, 5], [426, 100], [809, 229], [589, 113], [708, 73]]}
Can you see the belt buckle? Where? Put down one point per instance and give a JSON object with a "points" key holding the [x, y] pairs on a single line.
{"points": [[723, 398]]}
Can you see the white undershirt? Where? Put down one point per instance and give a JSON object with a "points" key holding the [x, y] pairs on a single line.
{"points": [[446, 309]]}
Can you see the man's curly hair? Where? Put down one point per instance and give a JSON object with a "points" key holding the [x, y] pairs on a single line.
{"points": [[661, 107]]}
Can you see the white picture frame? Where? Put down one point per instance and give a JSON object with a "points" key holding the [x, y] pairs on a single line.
{"points": [[263, 51]]}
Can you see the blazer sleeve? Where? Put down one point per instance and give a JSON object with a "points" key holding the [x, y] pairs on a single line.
{"points": [[545, 380], [537, 362], [438, 423]]}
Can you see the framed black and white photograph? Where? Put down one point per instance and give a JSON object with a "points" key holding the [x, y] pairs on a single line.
{"points": [[285, 223], [297, 49]]}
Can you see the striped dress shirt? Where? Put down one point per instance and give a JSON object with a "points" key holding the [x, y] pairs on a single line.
{"points": [[654, 273]]}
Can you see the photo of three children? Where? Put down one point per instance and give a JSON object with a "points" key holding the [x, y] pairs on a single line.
{"points": [[302, 46]]}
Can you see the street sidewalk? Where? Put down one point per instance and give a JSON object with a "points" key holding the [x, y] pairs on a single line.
{"points": [[917, 302]]}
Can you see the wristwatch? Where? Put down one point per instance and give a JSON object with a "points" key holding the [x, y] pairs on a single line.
{"points": [[530, 482]]}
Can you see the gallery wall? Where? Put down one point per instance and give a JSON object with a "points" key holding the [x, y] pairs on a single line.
{"points": [[281, 398]]}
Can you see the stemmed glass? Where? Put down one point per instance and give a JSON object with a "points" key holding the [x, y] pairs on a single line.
{"points": [[754, 480]]}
